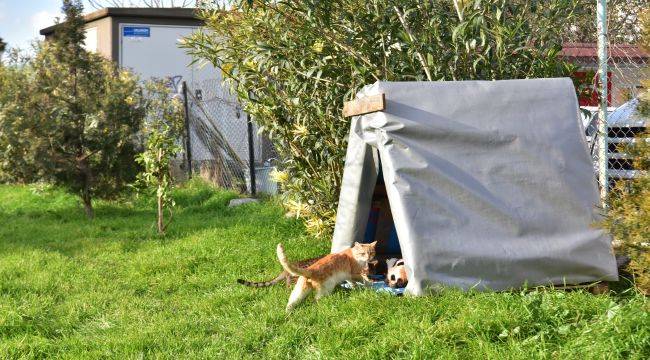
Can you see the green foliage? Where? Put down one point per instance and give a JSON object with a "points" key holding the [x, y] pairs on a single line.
{"points": [[644, 99], [584, 84], [112, 289], [302, 59], [628, 219], [163, 129], [16, 162], [71, 117]]}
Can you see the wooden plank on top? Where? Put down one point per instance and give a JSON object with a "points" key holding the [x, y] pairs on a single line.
{"points": [[364, 105]]}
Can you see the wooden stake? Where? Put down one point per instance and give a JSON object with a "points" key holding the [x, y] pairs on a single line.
{"points": [[364, 105]]}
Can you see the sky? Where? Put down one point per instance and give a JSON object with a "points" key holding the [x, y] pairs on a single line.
{"points": [[20, 20]]}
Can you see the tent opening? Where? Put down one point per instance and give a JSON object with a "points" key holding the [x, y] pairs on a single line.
{"points": [[380, 226]]}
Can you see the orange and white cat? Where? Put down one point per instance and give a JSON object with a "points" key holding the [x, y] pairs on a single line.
{"points": [[323, 275]]}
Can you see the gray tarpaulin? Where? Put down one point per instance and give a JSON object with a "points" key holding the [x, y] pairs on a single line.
{"points": [[490, 183]]}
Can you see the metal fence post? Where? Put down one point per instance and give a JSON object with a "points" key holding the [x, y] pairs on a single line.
{"points": [[188, 143], [251, 154], [603, 163]]}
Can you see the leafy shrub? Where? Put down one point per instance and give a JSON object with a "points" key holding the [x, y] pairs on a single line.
{"points": [[71, 117], [301, 59], [16, 162], [628, 219]]}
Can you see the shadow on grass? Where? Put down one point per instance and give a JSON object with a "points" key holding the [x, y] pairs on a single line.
{"points": [[624, 288]]}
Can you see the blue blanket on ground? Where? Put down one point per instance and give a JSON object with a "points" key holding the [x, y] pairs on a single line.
{"points": [[377, 284]]}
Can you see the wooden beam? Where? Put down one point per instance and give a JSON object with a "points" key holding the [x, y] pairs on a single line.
{"points": [[364, 105]]}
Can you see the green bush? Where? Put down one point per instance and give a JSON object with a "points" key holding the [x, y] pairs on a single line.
{"points": [[16, 162], [628, 219], [70, 117], [301, 59]]}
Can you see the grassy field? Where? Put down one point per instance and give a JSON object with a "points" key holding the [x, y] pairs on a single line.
{"points": [[110, 288]]}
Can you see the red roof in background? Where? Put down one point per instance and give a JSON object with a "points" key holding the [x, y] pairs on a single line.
{"points": [[623, 52]]}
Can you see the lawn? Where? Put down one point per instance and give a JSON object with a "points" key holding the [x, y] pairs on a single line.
{"points": [[111, 288]]}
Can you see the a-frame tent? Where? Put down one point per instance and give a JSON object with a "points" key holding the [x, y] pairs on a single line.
{"points": [[490, 183]]}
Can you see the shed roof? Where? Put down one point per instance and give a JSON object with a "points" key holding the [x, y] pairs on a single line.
{"points": [[152, 13], [589, 51]]}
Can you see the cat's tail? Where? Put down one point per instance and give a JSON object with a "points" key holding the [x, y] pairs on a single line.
{"points": [[293, 270], [279, 278]]}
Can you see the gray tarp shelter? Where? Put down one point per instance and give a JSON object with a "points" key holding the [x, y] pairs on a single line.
{"points": [[490, 184]]}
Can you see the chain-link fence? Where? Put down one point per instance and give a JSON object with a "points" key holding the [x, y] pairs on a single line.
{"points": [[627, 66], [224, 146]]}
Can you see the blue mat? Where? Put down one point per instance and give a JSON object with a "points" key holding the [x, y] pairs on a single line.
{"points": [[377, 284]]}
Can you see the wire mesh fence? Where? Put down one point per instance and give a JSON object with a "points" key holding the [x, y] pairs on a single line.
{"points": [[627, 64], [224, 146]]}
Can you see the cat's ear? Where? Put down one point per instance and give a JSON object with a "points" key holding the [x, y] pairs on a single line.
{"points": [[356, 243], [373, 244]]}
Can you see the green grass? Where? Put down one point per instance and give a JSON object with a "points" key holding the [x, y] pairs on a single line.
{"points": [[110, 288]]}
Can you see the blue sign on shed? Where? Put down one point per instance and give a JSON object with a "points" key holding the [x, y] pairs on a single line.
{"points": [[136, 31]]}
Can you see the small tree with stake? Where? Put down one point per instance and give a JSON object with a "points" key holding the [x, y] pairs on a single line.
{"points": [[163, 130]]}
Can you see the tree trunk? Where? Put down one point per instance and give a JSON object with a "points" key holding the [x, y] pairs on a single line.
{"points": [[161, 224], [88, 205], [86, 197], [161, 214]]}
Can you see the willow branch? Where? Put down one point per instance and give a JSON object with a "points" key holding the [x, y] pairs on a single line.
{"points": [[421, 58], [327, 35], [458, 11]]}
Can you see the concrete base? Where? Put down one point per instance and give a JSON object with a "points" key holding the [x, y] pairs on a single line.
{"points": [[237, 202]]}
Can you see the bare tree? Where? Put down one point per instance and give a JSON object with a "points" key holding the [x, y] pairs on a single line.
{"points": [[623, 22], [99, 4]]}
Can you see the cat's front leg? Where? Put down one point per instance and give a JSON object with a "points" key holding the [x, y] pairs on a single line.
{"points": [[363, 276]]}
